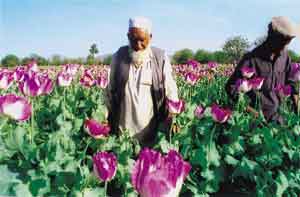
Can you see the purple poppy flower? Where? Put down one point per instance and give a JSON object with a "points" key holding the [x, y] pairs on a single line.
{"points": [[32, 66], [64, 79], [219, 114], [102, 80], [30, 85], [15, 107], [283, 90], [71, 69], [295, 72], [257, 83], [6, 79], [87, 79], [247, 71], [46, 85], [96, 129], [199, 111], [193, 63], [191, 78], [19, 73], [175, 107], [35, 84], [105, 165], [155, 175], [243, 85], [212, 65]]}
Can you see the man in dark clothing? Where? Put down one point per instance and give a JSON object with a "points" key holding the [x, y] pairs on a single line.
{"points": [[270, 60]]}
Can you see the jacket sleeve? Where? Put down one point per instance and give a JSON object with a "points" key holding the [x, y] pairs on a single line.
{"points": [[170, 83], [230, 86], [288, 78], [108, 92]]}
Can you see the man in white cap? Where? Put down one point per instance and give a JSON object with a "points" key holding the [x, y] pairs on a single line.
{"points": [[271, 61], [140, 81]]}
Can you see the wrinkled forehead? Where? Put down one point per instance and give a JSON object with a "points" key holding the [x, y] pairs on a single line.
{"points": [[138, 33]]}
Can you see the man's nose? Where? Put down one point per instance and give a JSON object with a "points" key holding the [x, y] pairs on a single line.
{"points": [[139, 44]]}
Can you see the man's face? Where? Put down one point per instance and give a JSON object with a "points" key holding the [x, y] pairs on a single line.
{"points": [[279, 42], [138, 38]]}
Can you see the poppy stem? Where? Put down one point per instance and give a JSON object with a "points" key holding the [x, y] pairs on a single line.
{"points": [[170, 131], [211, 137], [32, 122], [64, 103], [207, 89], [298, 107], [105, 189]]}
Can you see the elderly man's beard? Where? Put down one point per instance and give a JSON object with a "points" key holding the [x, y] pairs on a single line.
{"points": [[138, 58]]}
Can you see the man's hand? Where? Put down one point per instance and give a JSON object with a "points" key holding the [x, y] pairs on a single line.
{"points": [[252, 111], [175, 128], [296, 101]]}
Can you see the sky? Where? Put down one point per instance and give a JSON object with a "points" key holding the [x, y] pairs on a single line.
{"points": [[69, 27]]}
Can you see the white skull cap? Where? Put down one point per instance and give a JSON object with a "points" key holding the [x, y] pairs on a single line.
{"points": [[141, 22]]}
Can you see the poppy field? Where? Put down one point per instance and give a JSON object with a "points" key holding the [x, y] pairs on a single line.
{"points": [[55, 139]]}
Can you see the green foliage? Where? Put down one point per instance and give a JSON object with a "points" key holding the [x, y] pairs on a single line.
{"points": [[58, 162], [91, 57], [294, 56], [204, 56], [182, 56], [10, 61], [90, 60], [221, 57], [8, 180], [56, 60], [41, 61], [236, 47], [107, 60], [93, 50], [242, 157]]}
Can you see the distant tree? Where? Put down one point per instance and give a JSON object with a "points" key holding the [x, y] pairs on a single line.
{"points": [[56, 60], [41, 61], [98, 61], [204, 56], [236, 47], [10, 61], [294, 56], [78, 60], [107, 60], [221, 57], [93, 51], [182, 56], [90, 60], [26, 60], [66, 61]]}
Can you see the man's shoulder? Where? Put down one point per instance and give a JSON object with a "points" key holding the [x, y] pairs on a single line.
{"points": [[121, 53], [158, 52], [122, 49], [255, 53], [156, 49], [285, 53], [248, 56]]}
